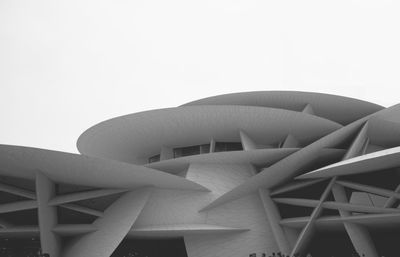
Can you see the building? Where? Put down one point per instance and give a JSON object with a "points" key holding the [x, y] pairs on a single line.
{"points": [[229, 175]]}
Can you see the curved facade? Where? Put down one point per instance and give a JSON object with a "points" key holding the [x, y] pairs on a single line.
{"points": [[231, 175]]}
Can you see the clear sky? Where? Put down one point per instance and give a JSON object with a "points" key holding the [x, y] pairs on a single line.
{"points": [[67, 65]]}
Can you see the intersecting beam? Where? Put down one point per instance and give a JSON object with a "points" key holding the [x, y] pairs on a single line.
{"points": [[82, 209], [18, 206], [308, 230], [358, 234], [370, 189], [274, 218], [365, 219], [294, 185], [336, 205], [74, 197], [389, 202], [17, 191], [117, 221], [358, 145]]}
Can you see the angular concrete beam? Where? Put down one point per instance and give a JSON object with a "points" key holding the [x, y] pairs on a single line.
{"points": [[18, 206], [247, 142], [283, 170], [290, 142], [358, 146], [336, 205], [17, 191], [74, 197], [308, 230], [82, 209], [363, 219], [73, 229], [308, 109], [45, 190], [274, 218], [294, 185], [358, 234], [370, 189], [389, 203], [112, 228]]}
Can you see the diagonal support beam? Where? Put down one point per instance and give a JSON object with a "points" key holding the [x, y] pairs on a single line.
{"points": [[274, 218], [82, 209], [62, 199], [392, 199], [17, 191], [308, 230], [294, 186], [18, 206], [118, 219], [370, 189], [358, 146], [336, 205], [358, 234]]}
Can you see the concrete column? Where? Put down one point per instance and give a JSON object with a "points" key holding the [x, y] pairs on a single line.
{"points": [[45, 191]]}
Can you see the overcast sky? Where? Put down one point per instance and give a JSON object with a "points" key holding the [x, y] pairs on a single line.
{"points": [[67, 65]]}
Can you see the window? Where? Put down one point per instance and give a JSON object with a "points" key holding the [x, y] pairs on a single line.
{"points": [[191, 150], [228, 146], [155, 158]]}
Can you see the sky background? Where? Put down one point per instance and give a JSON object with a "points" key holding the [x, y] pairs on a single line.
{"points": [[67, 65]]}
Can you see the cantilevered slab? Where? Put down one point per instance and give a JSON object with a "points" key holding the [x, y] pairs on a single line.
{"points": [[332, 107], [178, 230], [134, 138], [77, 169], [375, 161]]}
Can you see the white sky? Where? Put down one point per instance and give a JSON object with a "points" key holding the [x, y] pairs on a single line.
{"points": [[67, 65]]}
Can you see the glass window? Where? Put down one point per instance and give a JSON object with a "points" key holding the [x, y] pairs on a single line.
{"points": [[228, 146], [155, 158], [186, 151]]}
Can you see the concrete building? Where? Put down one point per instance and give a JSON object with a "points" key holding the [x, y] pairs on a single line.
{"points": [[229, 175]]}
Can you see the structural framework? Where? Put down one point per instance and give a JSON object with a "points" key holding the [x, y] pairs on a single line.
{"points": [[235, 174]]}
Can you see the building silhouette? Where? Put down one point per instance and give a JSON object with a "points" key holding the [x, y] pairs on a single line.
{"points": [[230, 175]]}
